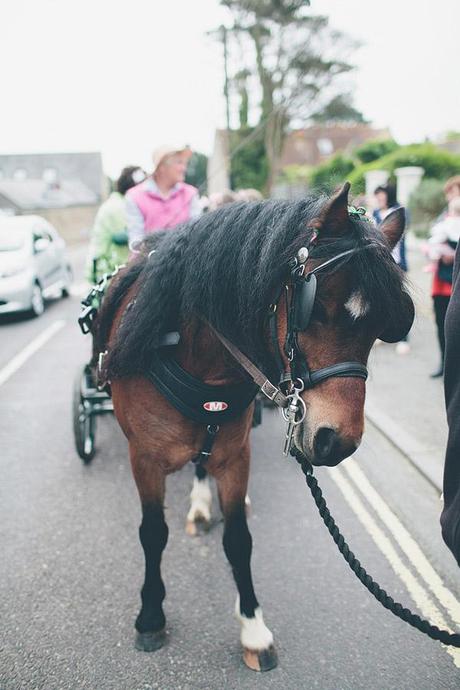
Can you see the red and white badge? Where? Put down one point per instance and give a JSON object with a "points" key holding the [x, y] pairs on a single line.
{"points": [[215, 406]]}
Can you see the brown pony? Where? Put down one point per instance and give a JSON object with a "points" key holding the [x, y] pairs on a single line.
{"points": [[235, 268]]}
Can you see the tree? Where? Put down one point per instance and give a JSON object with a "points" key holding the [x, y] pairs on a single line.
{"points": [[340, 109], [298, 61], [196, 171]]}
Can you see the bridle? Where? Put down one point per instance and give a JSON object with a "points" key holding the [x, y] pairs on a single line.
{"points": [[302, 289], [298, 376]]}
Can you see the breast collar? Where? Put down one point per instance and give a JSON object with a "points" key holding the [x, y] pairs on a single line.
{"points": [[198, 401]]}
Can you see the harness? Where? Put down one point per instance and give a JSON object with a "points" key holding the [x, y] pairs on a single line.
{"points": [[216, 405]]}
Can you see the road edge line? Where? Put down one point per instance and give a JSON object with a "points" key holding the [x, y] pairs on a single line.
{"points": [[26, 353], [416, 590]]}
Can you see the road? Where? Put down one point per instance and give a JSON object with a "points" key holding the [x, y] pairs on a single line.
{"points": [[71, 564]]}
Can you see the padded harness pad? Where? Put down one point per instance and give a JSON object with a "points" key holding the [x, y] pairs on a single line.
{"points": [[194, 399]]}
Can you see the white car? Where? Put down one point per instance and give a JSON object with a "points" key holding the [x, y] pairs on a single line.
{"points": [[33, 264]]}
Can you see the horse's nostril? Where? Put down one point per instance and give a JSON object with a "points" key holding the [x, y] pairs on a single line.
{"points": [[326, 443]]}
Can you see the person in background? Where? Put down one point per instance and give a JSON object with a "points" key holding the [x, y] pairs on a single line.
{"points": [[163, 200], [452, 188], [249, 195], [450, 516], [385, 196], [109, 235], [219, 199], [440, 249]]}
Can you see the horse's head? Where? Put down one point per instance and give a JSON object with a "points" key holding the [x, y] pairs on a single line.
{"points": [[344, 291]]}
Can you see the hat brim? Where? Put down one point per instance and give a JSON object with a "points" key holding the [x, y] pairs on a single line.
{"points": [[164, 151]]}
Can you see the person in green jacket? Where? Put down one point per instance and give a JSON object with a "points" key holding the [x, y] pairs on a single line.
{"points": [[109, 238]]}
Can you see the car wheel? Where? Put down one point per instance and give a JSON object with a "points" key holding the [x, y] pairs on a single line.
{"points": [[65, 292], [37, 306]]}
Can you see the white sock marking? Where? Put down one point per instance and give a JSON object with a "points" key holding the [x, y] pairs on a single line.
{"points": [[254, 633], [200, 500]]}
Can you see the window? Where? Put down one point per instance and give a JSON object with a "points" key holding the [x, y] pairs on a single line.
{"points": [[325, 146], [20, 174], [50, 176]]}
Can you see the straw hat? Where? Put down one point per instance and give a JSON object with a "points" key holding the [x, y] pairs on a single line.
{"points": [[160, 153]]}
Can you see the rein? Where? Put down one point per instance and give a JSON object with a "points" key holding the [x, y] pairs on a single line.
{"points": [[397, 609]]}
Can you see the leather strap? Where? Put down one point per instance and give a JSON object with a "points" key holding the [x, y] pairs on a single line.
{"points": [[341, 370], [268, 389]]}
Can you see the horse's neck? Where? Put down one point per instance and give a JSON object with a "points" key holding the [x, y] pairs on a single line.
{"points": [[202, 355]]}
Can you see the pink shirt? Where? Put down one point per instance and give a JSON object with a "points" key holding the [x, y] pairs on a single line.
{"points": [[148, 210]]}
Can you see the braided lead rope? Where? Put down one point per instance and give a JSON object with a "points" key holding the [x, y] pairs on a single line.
{"points": [[444, 636]]}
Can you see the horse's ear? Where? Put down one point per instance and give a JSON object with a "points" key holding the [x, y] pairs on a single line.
{"points": [[333, 219], [393, 226]]}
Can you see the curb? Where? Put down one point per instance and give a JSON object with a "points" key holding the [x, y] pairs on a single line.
{"points": [[428, 461]]}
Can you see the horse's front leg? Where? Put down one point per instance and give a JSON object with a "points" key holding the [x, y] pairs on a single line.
{"points": [[257, 640], [153, 533]]}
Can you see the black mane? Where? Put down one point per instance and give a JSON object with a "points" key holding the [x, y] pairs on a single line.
{"points": [[228, 266]]}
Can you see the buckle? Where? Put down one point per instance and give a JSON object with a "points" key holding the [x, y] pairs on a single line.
{"points": [[86, 319], [269, 390]]}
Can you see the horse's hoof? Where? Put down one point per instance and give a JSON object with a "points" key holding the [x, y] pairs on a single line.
{"points": [[199, 525], [150, 641], [190, 528], [263, 660]]}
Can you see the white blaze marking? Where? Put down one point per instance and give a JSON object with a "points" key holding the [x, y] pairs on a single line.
{"points": [[356, 305], [416, 590], [254, 633], [30, 349], [200, 500]]}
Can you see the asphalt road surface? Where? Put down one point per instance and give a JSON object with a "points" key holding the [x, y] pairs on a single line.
{"points": [[71, 565]]}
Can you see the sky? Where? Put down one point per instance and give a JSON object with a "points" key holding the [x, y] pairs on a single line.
{"points": [[124, 77]]}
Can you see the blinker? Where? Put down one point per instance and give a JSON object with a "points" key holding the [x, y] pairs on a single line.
{"points": [[304, 300]]}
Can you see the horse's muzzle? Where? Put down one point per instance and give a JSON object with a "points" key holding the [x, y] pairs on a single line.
{"points": [[330, 448]]}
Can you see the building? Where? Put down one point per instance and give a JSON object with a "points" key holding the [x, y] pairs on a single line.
{"points": [[307, 147], [65, 188], [313, 145]]}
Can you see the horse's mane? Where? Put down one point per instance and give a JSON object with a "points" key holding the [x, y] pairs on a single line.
{"points": [[227, 267]]}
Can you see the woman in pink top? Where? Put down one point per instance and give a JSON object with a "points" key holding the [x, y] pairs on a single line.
{"points": [[163, 200]]}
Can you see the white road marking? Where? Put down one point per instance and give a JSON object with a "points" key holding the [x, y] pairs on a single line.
{"points": [[407, 543], [30, 349], [80, 289], [416, 590]]}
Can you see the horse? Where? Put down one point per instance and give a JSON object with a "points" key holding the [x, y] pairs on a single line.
{"points": [[302, 289]]}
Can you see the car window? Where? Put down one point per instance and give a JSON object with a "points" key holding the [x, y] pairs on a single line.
{"points": [[41, 231]]}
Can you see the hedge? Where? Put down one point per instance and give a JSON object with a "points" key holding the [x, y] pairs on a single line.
{"points": [[331, 173], [438, 164]]}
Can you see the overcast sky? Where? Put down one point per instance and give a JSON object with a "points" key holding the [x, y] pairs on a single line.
{"points": [[123, 77]]}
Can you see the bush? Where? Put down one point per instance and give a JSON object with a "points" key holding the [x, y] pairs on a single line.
{"points": [[333, 172], [295, 174], [438, 164], [425, 204], [374, 149], [249, 165]]}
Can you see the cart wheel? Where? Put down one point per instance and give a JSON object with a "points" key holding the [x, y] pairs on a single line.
{"points": [[84, 423]]}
